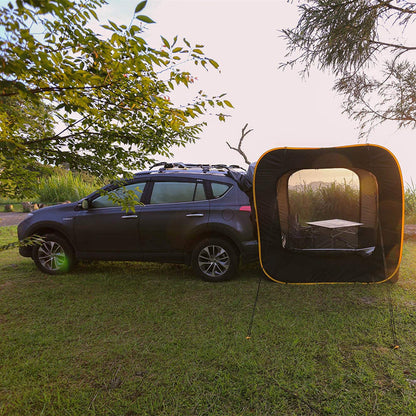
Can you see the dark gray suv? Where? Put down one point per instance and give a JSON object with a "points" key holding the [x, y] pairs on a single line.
{"points": [[191, 214]]}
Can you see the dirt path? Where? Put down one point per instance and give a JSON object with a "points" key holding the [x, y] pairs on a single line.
{"points": [[11, 218]]}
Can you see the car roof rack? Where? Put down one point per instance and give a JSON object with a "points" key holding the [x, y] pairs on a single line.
{"points": [[205, 167]]}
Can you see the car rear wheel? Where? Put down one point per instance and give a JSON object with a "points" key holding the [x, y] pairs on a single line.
{"points": [[215, 260], [53, 255]]}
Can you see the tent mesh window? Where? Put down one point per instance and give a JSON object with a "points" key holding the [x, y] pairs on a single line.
{"points": [[320, 209]]}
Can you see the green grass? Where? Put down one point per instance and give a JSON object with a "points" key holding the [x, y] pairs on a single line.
{"points": [[8, 235], [148, 339]]}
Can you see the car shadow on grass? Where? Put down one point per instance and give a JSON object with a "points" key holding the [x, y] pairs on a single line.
{"points": [[166, 271]]}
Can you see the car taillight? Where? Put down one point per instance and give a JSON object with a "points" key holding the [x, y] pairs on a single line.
{"points": [[246, 208]]}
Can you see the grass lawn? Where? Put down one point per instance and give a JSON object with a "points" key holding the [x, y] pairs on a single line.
{"points": [[147, 339]]}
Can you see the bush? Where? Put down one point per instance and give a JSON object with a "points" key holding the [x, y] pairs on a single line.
{"points": [[8, 208], [64, 185], [26, 206], [410, 202]]}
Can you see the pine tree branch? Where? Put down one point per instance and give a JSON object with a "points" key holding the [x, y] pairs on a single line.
{"points": [[388, 5], [392, 45]]}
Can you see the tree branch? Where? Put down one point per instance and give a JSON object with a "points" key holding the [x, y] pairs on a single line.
{"points": [[54, 89], [388, 5], [238, 148], [55, 136], [392, 45]]}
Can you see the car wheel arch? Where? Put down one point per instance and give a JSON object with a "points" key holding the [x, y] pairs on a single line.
{"points": [[196, 238], [41, 231]]}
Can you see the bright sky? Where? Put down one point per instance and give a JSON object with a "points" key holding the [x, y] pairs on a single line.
{"points": [[282, 108], [341, 176]]}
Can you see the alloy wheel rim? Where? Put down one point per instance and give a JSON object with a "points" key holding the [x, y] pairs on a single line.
{"points": [[214, 261], [52, 256]]}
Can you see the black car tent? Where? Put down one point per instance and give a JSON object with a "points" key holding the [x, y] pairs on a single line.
{"points": [[314, 227]]}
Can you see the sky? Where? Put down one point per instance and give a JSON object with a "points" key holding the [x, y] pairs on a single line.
{"points": [[281, 107], [327, 176]]}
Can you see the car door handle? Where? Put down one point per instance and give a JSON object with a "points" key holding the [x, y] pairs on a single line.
{"points": [[196, 214], [125, 217]]}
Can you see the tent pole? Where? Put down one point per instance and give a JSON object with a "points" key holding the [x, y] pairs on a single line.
{"points": [[254, 308], [395, 345]]}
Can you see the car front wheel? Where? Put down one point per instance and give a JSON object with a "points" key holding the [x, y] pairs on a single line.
{"points": [[53, 255], [215, 260]]}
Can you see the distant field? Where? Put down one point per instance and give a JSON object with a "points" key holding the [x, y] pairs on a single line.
{"points": [[136, 339]]}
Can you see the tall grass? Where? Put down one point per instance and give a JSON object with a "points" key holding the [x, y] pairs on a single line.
{"points": [[410, 203], [333, 200], [337, 200], [65, 186]]}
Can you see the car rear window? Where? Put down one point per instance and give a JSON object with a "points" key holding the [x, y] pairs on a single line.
{"points": [[219, 189]]}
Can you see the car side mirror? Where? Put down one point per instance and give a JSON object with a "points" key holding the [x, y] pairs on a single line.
{"points": [[85, 204]]}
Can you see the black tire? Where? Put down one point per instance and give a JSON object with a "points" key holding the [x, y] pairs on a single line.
{"points": [[215, 260], [54, 255]]}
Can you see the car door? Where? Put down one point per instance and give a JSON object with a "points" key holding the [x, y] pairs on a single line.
{"points": [[106, 229], [174, 210]]}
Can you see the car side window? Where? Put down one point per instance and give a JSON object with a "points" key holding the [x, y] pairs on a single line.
{"points": [[104, 201], [199, 192], [172, 192], [219, 189]]}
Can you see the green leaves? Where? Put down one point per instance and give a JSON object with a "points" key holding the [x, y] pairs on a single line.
{"points": [[114, 26], [126, 198], [344, 37], [145, 19], [96, 104], [213, 63], [165, 42], [140, 7]]}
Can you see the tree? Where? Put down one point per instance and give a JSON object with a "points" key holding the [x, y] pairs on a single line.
{"points": [[354, 39], [21, 120], [69, 95]]}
